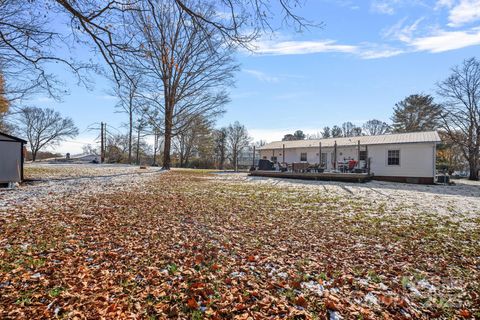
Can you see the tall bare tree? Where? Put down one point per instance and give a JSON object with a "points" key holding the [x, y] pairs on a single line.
{"points": [[29, 42], [376, 127], [461, 111], [189, 140], [129, 102], [44, 127], [188, 63], [238, 139]]}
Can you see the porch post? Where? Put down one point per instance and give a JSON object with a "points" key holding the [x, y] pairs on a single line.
{"points": [[320, 154], [283, 153], [367, 160], [335, 156], [253, 164], [273, 154], [358, 152]]}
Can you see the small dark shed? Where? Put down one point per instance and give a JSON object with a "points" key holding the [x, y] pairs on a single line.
{"points": [[11, 158]]}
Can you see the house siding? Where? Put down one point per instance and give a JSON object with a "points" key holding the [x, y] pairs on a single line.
{"points": [[10, 161], [416, 160]]}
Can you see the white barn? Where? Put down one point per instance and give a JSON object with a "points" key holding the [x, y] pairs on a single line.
{"points": [[403, 157], [11, 158]]}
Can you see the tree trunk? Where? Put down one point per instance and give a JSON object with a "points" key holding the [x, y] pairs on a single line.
{"points": [[222, 158], [168, 137], [138, 146], [34, 155], [473, 170], [130, 133], [235, 160]]}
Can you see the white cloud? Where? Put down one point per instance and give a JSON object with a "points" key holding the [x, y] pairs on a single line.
{"points": [[464, 12], [107, 97], [380, 53], [432, 39], [301, 47], [262, 76], [446, 40], [364, 51], [383, 7], [402, 32], [444, 3]]}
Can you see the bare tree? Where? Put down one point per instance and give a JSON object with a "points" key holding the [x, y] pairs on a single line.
{"points": [[350, 130], [116, 147], [28, 42], [44, 127], [376, 127], [189, 66], [461, 111], [129, 102], [189, 140], [238, 139]]}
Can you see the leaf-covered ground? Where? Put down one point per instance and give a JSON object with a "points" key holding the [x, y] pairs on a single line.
{"points": [[197, 245]]}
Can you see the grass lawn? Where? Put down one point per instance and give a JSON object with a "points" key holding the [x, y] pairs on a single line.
{"points": [[190, 244]]}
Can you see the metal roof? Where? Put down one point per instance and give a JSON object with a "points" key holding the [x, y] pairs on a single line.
{"points": [[410, 137], [9, 137]]}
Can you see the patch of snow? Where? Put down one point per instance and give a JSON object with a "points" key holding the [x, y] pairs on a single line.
{"points": [[382, 286], [236, 274], [334, 315], [424, 284], [314, 287], [370, 298]]}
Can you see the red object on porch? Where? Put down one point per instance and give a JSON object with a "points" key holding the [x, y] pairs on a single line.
{"points": [[351, 164]]}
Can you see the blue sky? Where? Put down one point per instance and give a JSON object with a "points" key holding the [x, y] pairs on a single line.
{"points": [[368, 56]]}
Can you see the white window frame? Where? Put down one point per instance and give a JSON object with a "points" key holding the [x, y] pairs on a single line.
{"points": [[399, 158]]}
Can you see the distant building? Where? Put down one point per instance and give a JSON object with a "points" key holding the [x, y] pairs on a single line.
{"points": [[403, 157], [11, 158]]}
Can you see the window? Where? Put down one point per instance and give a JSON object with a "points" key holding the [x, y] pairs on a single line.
{"points": [[363, 155], [303, 156], [273, 159], [393, 158]]}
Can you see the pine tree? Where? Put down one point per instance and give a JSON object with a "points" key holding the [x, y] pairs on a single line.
{"points": [[416, 112]]}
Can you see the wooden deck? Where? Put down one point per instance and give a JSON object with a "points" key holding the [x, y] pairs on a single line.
{"points": [[328, 176]]}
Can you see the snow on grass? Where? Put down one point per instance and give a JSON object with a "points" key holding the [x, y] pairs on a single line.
{"points": [[192, 244]]}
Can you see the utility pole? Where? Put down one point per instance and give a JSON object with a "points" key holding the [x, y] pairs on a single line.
{"points": [[102, 143]]}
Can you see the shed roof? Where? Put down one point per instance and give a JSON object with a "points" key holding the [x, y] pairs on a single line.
{"points": [[4, 136], [410, 137]]}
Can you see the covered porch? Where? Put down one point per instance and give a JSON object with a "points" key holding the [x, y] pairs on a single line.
{"points": [[351, 158]]}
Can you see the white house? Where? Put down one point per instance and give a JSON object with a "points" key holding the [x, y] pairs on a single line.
{"points": [[11, 158], [403, 157]]}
